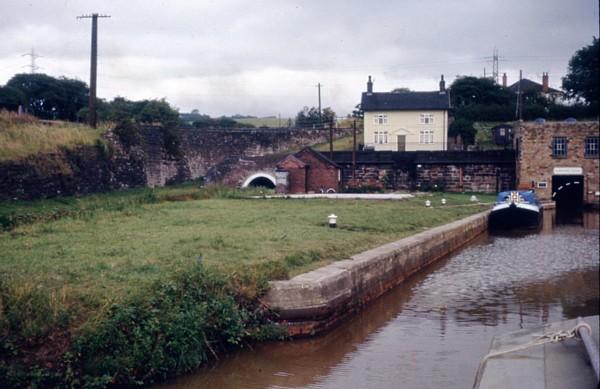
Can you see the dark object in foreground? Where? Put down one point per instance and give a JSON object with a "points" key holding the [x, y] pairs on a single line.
{"points": [[558, 355], [516, 209]]}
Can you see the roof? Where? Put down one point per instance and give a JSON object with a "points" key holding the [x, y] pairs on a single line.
{"points": [[291, 160], [390, 101], [528, 85], [318, 155]]}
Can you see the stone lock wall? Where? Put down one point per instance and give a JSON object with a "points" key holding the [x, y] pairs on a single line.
{"points": [[536, 163], [316, 301]]}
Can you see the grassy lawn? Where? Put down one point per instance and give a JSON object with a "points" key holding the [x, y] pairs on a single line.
{"points": [[106, 246], [111, 282]]}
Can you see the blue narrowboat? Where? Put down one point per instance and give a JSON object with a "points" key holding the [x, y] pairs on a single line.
{"points": [[516, 209]]}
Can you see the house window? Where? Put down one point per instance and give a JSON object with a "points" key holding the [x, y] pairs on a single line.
{"points": [[380, 119], [426, 136], [592, 146], [559, 147], [426, 118], [380, 137]]}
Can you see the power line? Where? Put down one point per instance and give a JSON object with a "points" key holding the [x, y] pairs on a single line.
{"points": [[93, 67], [33, 56]]}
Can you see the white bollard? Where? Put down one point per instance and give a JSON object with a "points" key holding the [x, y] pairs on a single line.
{"points": [[332, 220]]}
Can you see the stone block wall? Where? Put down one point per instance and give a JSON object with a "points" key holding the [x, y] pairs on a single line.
{"points": [[83, 170], [217, 155], [536, 163], [316, 301], [488, 178], [448, 170]]}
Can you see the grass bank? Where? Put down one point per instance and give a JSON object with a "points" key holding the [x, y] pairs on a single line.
{"points": [[273, 122], [21, 136], [116, 288], [341, 144]]}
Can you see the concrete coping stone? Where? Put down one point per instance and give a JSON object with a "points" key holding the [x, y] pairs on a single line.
{"points": [[320, 289]]}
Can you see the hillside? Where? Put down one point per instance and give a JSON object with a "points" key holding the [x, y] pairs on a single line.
{"points": [[25, 135]]}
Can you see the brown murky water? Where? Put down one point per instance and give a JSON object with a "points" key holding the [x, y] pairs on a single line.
{"points": [[432, 331]]}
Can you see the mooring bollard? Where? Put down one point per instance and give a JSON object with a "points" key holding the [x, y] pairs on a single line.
{"points": [[332, 220]]}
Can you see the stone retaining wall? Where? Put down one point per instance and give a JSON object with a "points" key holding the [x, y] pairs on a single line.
{"points": [[315, 301], [220, 156]]}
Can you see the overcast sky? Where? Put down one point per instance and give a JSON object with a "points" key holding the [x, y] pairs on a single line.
{"points": [[266, 57]]}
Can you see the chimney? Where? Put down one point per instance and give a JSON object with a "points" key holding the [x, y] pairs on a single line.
{"points": [[442, 85], [504, 80], [369, 85], [545, 88]]}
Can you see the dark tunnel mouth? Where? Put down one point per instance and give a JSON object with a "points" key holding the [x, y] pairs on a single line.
{"points": [[567, 192], [261, 182]]}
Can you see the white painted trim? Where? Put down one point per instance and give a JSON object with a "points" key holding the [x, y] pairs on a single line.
{"points": [[258, 175]]}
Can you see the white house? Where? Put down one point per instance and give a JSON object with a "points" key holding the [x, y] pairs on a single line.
{"points": [[406, 121]]}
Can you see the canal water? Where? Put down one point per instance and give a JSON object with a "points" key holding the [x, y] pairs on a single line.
{"points": [[432, 331]]}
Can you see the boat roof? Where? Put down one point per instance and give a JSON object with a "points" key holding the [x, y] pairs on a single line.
{"points": [[527, 195], [553, 365]]}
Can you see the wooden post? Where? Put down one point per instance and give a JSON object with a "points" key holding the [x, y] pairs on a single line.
{"points": [[353, 151]]}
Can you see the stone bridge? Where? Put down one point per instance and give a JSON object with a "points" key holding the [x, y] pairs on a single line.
{"points": [[228, 156]]}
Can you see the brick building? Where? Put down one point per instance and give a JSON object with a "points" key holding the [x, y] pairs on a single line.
{"points": [[560, 160], [307, 171]]}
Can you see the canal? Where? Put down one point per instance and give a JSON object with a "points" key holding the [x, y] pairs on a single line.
{"points": [[432, 331]]}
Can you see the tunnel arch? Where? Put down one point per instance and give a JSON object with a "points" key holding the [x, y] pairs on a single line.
{"points": [[260, 179], [567, 191]]}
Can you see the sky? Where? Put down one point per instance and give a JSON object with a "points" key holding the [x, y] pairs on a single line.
{"points": [[266, 58]]}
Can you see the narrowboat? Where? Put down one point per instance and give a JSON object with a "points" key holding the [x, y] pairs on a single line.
{"points": [[561, 355], [516, 209]]}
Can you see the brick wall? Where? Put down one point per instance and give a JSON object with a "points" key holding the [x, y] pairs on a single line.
{"points": [[320, 174], [536, 163]]}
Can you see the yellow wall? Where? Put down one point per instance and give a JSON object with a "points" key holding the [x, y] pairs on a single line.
{"points": [[407, 123]]}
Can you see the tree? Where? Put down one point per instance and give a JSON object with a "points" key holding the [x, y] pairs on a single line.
{"points": [[158, 111], [583, 78], [11, 98], [48, 97], [464, 128], [479, 91], [309, 117]]}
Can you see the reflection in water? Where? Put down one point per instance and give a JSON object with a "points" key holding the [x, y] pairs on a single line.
{"points": [[433, 330]]}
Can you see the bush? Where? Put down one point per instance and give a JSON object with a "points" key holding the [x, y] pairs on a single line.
{"points": [[172, 327], [177, 326], [128, 133]]}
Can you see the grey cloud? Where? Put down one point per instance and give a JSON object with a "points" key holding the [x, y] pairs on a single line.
{"points": [[151, 44]]}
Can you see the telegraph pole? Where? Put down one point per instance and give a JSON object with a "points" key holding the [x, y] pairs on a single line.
{"points": [[93, 67], [320, 117], [353, 150], [518, 112]]}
